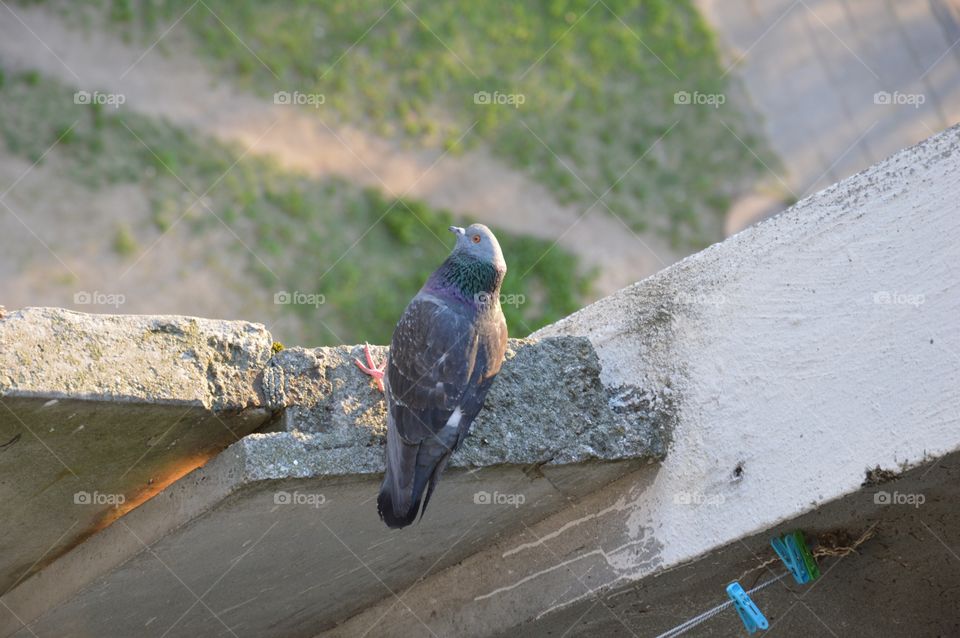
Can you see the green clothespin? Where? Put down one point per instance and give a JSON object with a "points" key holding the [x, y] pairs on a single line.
{"points": [[792, 550], [808, 560]]}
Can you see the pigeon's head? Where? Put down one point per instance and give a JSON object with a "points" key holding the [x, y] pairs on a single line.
{"points": [[479, 242]]}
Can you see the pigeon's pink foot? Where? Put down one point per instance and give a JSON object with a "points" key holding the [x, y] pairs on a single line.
{"points": [[374, 370]]}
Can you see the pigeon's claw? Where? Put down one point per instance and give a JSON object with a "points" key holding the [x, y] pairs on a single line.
{"points": [[374, 370]]}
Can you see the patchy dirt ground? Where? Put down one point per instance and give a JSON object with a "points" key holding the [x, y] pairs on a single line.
{"points": [[58, 249]]}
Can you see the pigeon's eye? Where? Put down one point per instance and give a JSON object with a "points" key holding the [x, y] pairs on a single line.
{"points": [[475, 239]]}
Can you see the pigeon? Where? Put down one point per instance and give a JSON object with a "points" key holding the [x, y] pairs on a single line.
{"points": [[446, 351]]}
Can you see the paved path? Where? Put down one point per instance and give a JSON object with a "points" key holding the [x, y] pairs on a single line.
{"points": [[842, 84]]}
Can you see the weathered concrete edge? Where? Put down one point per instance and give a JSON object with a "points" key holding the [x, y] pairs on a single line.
{"points": [[547, 405], [155, 359], [230, 366], [277, 456], [240, 468]]}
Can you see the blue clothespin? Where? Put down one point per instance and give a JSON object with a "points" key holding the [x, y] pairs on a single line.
{"points": [[749, 613], [787, 551], [792, 550]]}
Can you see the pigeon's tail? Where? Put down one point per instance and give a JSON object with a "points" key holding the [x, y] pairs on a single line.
{"points": [[400, 508], [410, 470], [388, 513], [399, 501]]}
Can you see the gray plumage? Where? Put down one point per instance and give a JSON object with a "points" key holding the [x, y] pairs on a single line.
{"points": [[446, 350]]}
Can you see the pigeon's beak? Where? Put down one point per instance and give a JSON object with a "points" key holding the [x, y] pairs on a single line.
{"points": [[456, 230]]}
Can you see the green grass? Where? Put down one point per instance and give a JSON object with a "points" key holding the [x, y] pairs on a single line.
{"points": [[597, 80], [300, 230], [124, 243], [598, 83]]}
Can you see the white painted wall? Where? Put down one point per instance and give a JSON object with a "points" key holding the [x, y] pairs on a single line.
{"points": [[807, 349]]}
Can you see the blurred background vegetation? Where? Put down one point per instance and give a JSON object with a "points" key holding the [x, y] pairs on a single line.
{"points": [[598, 82]]}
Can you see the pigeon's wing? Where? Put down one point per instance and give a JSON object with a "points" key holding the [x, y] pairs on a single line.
{"points": [[491, 337], [437, 374], [432, 359], [491, 348]]}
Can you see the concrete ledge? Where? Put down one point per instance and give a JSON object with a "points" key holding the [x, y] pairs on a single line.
{"points": [[98, 413], [273, 529]]}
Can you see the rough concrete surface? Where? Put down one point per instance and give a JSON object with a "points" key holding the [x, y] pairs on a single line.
{"points": [[53, 353], [99, 412], [803, 350], [542, 384], [278, 535]]}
